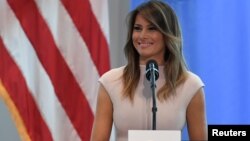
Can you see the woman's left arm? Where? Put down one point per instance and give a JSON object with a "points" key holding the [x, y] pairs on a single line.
{"points": [[196, 117]]}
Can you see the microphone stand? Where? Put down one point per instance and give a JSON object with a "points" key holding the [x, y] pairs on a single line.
{"points": [[153, 86]]}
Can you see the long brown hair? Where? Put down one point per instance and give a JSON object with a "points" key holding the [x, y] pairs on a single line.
{"points": [[165, 20]]}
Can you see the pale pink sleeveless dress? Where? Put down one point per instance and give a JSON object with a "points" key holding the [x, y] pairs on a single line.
{"points": [[170, 115]]}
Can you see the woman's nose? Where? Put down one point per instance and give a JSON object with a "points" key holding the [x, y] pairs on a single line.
{"points": [[143, 34]]}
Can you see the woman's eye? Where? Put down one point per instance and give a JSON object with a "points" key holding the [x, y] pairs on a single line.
{"points": [[152, 28], [137, 28]]}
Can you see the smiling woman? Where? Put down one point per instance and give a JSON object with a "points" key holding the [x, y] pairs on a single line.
{"points": [[124, 93], [148, 41]]}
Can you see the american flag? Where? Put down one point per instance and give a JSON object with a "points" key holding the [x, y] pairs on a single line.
{"points": [[52, 53]]}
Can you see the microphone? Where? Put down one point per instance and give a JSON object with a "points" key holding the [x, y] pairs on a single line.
{"points": [[152, 70], [152, 74]]}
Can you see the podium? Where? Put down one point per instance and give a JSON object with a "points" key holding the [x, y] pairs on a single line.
{"points": [[154, 135]]}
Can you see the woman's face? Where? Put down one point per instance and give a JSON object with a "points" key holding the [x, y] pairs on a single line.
{"points": [[148, 41]]}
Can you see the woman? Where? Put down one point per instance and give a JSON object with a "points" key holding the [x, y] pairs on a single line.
{"points": [[124, 95]]}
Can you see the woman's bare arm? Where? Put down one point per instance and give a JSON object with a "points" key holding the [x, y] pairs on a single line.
{"points": [[103, 118], [196, 117]]}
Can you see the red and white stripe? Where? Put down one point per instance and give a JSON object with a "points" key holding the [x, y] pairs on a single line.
{"points": [[52, 54]]}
